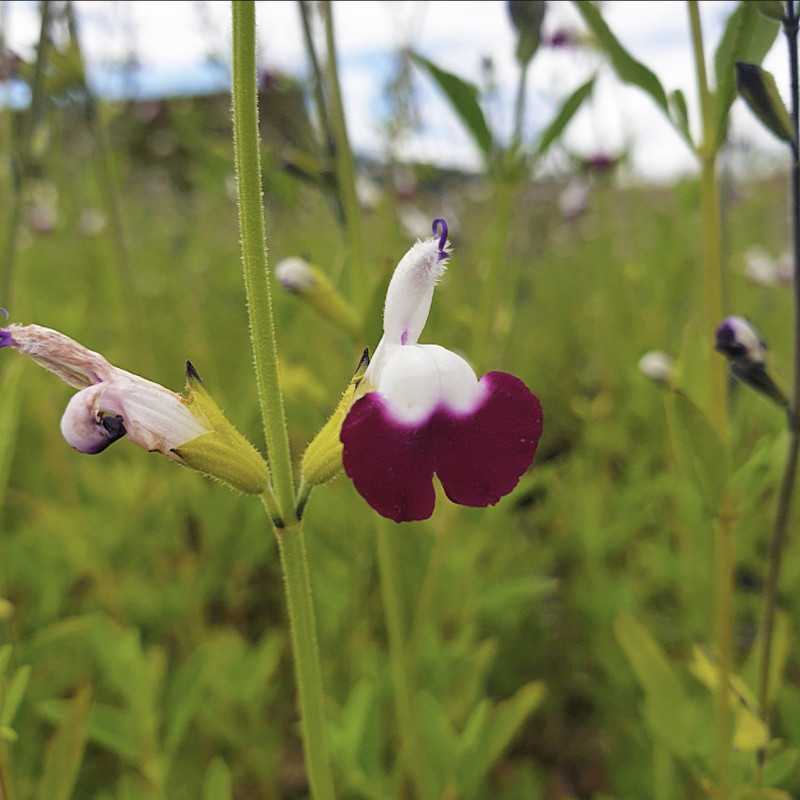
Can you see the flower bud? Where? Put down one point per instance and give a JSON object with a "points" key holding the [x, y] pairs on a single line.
{"points": [[658, 366], [322, 460], [527, 17], [740, 343], [299, 277]]}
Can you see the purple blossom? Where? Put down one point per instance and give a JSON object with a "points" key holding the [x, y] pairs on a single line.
{"points": [[424, 412]]}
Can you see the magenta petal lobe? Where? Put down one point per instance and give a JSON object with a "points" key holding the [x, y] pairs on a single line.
{"points": [[479, 456], [391, 464]]}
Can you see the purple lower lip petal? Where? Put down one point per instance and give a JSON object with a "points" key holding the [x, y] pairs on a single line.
{"points": [[479, 457], [6, 339]]}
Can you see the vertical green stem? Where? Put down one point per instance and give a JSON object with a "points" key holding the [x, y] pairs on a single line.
{"points": [[254, 254], [345, 169], [519, 105], [265, 356], [332, 183], [716, 402], [306, 659], [412, 757], [21, 158], [789, 479], [107, 179]]}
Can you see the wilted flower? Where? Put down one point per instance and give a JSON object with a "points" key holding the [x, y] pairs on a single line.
{"points": [[112, 403], [425, 412], [658, 366], [746, 351]]}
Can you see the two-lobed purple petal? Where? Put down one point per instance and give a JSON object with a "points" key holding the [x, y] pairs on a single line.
{"points": [[478, 457]]}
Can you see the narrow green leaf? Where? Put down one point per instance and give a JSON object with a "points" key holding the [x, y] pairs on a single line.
{"points": [[218, 784], [628, 69], [65, 751], [564, 116], [9, 413], [463, 97], [758, 89], [112, 728], [14, 693], [509, 717], [679, 113], [698, 448], [5, 658], [748, 37]]}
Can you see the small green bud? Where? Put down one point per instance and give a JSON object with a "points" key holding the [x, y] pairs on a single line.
{"points": [[758, 89], [223, 453], [312, 285], [322, 460], [527, 17]]}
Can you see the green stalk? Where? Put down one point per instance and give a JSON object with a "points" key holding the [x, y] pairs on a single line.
{"points": [[412, 756], [789, 480], [716, 405], [519, 106], [20, 161], [300, 602], [254, 255], [345, 168], [107, 178], [291, 540], [331, 182]]}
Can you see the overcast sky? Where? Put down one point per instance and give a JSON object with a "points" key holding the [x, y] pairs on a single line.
{"points": [[173, 39]]}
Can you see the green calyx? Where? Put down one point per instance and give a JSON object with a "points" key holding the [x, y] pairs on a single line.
{"points": [[322, 460], [222, 453]]}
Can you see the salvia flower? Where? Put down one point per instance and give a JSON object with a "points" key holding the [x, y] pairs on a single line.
{"points": [[746, 352], [112, 403], [425, 412]]}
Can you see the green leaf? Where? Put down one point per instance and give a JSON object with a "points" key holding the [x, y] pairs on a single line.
{"points": [[679, 113], [112, 728], [8, 734], [668, 709], [65, 751], [218, 784], [628, 69], [463, 97], [748, 37], [564, 116], [758, 89], [698, 447], [184, 699], [9, 413], [774, 9], [13, 695], [5, 658], [781, 766]]}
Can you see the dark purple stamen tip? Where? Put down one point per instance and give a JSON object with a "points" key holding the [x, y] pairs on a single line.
{"points": [[440, 224]]}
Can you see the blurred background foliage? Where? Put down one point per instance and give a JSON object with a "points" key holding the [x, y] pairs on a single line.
{"points": [[559, 642]]}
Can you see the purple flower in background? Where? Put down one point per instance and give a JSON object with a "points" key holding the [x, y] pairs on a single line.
{"points": [[425, 411], [561, 38]]}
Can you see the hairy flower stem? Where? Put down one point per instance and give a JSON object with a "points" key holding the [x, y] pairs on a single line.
{"points": [[788, 481], [519, 105], [716, 403], [21, 158], [345, 168], [265, 358], [412, 756]]}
